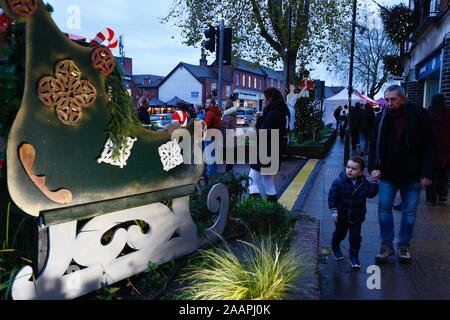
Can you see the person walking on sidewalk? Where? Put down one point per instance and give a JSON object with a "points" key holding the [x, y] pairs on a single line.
{"points": [[347, 202], [274, 117], [402, 157], [366, 120], [343, 121], [440, 115], [337, 116], [229, 124], [213, 120], [355, 120]]}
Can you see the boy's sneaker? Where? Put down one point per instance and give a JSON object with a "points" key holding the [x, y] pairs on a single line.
{"points": [[404, 256], [354, 263], [337, 254], [385, 253]]}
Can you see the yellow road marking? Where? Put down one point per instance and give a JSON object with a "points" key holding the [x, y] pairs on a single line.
{"points": [[292, 193]]}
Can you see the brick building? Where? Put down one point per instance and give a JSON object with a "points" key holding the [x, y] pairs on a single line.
{"points": [[148, 85], [194, 83], [427, 68]]}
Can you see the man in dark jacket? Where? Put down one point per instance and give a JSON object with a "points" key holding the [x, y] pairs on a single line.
{"points": [[401, 156], [337, 115], [355, 116], [440, 115], [366, 122], [142, 111]]}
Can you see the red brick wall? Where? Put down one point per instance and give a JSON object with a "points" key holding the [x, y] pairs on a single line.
{"points": [[446, 70], [414, 91]]}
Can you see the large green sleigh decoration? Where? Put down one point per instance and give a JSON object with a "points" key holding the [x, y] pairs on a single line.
{"points": [[65, 166]]}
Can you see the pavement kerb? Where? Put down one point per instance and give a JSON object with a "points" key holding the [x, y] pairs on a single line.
{"points": [[307, 287], [294, 196]]}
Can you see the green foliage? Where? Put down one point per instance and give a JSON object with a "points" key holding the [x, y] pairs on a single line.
{"points": [[393, 64], [398, 22], [15, 246], [265, 218], [12, 74], [309, 117], [237, 187], [124, 121], [108, 293], [256, 272], [156, 277], [260, 27]]}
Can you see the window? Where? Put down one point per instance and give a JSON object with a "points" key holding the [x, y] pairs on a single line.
{"points": [[434, 7], [271, 82], [213, 86], [249, 81], [237, 79], [255, 85], [260, 84], [228, 91], [243, 80]]}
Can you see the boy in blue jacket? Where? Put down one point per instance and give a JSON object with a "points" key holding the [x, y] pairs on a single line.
{"points": [[347, 202]]}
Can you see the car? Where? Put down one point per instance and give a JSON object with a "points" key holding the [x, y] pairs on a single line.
{"points": [[161, 120], [245, 117]]}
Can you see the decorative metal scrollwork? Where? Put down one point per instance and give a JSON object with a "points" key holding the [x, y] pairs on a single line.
{"points": [[79, 262], [67, 92], [103, 60], [23, 8]]}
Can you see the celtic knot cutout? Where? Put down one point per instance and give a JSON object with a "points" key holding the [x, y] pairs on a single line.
{"points": [[67, 92], [103, 61], [23, 8]]}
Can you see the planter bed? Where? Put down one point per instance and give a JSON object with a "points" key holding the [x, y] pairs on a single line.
{"points": [[315, 151]]}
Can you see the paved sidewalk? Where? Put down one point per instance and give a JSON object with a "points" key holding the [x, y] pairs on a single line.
{"points": [[428, 277]]}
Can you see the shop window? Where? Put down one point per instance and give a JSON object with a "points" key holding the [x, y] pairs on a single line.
{"points": [[431, 89], [434, 7]]}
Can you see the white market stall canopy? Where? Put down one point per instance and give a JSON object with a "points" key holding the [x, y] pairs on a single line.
{"points": [[332, 103]]}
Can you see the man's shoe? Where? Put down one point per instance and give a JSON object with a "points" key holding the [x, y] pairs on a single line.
{"points": [[354, 263], [385, 253], [404, 256], [337, 254]]}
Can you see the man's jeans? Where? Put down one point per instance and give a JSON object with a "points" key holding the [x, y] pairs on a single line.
{"points": [[211, 168], [410, 193]]}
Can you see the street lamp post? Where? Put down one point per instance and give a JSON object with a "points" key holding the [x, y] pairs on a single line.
{"points": [[350, 86], [288, 51]]}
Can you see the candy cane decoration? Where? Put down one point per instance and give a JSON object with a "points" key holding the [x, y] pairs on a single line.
{"points": [[107, 34]]}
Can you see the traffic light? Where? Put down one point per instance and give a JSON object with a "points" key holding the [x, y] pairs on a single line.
{"points": [[210, 42], [227, 46]]}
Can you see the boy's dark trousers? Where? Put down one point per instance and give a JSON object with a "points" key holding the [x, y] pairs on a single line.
{"points": [[355, 239]]}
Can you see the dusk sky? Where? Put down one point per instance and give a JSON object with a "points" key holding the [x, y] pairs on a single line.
{"points": [[155, 48]]}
